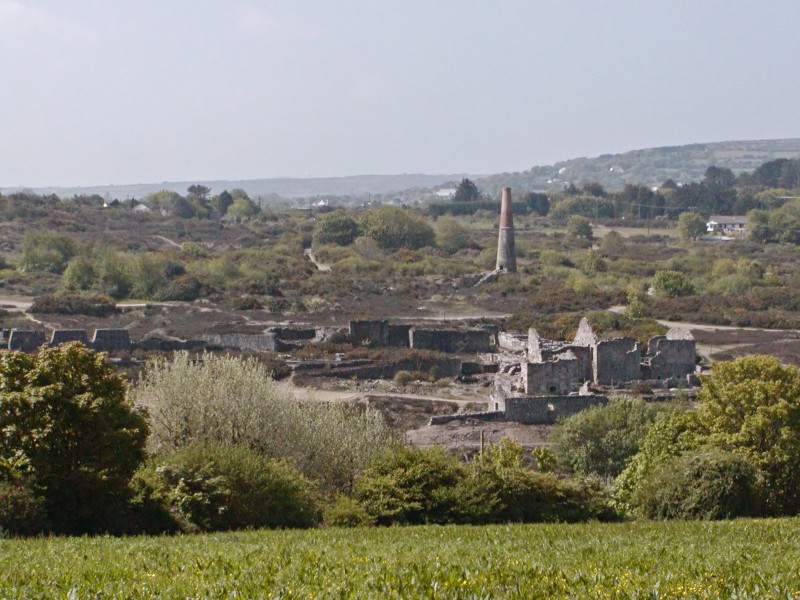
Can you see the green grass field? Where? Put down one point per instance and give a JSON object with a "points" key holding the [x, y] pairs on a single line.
{"points": [[742, 559]]}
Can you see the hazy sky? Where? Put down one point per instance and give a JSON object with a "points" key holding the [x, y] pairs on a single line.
{"points": [[97, 92]]}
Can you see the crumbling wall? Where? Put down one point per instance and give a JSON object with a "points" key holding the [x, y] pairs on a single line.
{"points": [[543, 410], [534, 346], [512, 342], [399, 336], [62, 336], [109, 340], [449, 340], [617, 361], [585, 335], [671, 356], [25, 340], [553, 377], [257, 343], [290, 334], [373, 331]]}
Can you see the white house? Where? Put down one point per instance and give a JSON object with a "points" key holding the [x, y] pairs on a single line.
{"points": [[726, 225]]}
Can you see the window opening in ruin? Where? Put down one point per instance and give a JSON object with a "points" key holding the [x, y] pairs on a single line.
{"points": [[553, 389]]}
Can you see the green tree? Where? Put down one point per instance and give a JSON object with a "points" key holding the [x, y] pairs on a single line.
{"points": [[601, 440], [68, 427], [466, 191], [579, 227], [672, 284], [243, 208], [691, 225], [198, 190], [393, 227], [750, 406], [337, 228], [758, 229], [223, 201]]}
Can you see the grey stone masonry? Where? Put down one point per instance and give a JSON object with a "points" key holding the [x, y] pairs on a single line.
{"points": [[617, 361], [543, 410], [26, 340], [560, 376], [62, 336], [109, 340], [450, 340], [374, 332]]}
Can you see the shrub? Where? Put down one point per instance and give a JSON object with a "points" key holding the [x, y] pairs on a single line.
{"points": [[68, 428], [403, 377], [409, 485], [335, 228], [451, 235], [21, 512], [79, 274], [345, 512], [95, 305], [579, 227], [708, 484], [502, 488], [47, 251], [672, 284], [234, 401], [392, 227], [217, 488]]}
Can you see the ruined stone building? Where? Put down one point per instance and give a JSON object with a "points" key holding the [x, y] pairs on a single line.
{"points": [[563, 367]]}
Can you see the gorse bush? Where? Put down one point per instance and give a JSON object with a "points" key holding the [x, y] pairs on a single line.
{"points": [[215, 488], [709, 484], [233, 401], [392, 227], [408, 485]]}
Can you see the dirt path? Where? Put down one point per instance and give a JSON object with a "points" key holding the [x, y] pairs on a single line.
{"points": [[166, 240], [321, 266]]}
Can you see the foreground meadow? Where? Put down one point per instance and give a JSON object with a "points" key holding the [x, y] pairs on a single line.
{"points": [[740, 559]]}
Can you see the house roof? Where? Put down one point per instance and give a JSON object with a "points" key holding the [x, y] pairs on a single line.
{"points": [[726, 220]]}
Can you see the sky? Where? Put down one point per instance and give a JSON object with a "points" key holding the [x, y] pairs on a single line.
{"points": [[97, 92]]}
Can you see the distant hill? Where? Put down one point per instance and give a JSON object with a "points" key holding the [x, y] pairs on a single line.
{"points": [[649, 167], [285, 187]]}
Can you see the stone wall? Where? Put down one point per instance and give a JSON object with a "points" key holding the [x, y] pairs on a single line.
{"points": [[62, 336], [109, 340], [585, 335], [255, 342], [512, 342], [25, 340], [291, 334], [617, 361], [670, 357], [450, 340], [444, 367], [374, 332], [398, 336], [553, 377], [543, 410]]}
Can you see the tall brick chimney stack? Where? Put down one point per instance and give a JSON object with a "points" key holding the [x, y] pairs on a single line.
{"points": [[506, 253]]}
